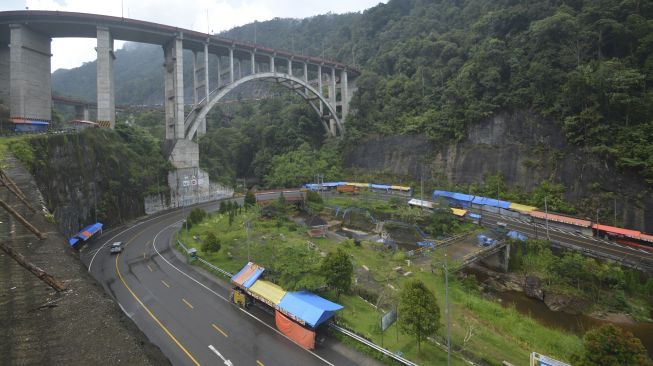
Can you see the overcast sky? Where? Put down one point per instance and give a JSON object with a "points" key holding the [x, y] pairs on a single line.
{"points": [[189, 14]]}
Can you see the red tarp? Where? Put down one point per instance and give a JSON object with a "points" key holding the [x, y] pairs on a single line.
{"points": [[294, 331], [617, 230], [560, 218]]}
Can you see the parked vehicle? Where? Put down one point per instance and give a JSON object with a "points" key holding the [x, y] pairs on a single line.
{"points": [[116, 247]]}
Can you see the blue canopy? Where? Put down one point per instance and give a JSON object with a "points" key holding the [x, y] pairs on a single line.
{"points": [[248, 275], [312, 309], [474, 216], [446, 194], [462, 197], [85, 233], [491, 202]]}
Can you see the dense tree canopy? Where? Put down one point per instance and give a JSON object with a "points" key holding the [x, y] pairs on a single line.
{"points": [[610, 345]]}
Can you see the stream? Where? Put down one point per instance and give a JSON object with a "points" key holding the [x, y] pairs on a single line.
{"points": [[577, 324]]}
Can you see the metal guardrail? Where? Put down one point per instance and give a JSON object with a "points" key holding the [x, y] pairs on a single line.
{"points": [[371, 344], [332, 325], [211, 266]]}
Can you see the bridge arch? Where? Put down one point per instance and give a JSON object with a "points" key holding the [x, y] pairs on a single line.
{"points": [[299, 86]]}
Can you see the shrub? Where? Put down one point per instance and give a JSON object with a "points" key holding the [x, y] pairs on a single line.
{"points": [[211, 243]]}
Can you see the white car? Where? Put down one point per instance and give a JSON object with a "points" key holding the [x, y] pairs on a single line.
{"points": [[116, 247]]}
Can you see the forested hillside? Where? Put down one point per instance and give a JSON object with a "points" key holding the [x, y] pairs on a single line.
{"points": [[435, 67], [438, 67]]}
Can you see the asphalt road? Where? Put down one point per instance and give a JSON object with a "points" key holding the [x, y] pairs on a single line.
{"points": [[186, 312], [638, 256]]}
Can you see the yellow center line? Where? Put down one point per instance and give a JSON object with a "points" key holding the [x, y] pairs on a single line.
{"points": [[154, 317], [164, 283], [259, 363], [187, 303], [219, 330], [150, 268]]}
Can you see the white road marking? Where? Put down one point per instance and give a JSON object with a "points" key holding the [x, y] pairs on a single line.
{"points": [[223, 298], [226, 362]]}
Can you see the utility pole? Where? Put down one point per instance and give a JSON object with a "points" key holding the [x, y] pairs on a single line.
{"points": [[546, 210], [615, 210], [446, 301]]}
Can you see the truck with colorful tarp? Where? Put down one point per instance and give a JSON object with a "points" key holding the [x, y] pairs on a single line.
{"points": [[297, 314]]}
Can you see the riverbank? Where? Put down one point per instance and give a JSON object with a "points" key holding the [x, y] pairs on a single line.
{"points": [[512, 291]]}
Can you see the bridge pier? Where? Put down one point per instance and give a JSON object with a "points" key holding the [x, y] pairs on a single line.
{"points": [[4, 73], [81, 112], [174, 89], [499, 260], [29, 74], [106, 101], [188, 183]]}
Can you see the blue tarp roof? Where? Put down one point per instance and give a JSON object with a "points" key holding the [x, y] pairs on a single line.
{"points": [[85, 233], [247, 282], [380, 186], [443, 194], [491, 202], [312, 309], [462, 197]]}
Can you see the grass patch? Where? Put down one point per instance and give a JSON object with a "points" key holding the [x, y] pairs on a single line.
{"points": [[498, 333]]}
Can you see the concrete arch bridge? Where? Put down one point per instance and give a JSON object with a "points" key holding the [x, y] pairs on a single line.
{"points": [[25, 51]]}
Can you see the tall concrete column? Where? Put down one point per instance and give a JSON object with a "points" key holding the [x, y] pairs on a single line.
{"points": [[174, 89], [196, 69], [319, 87], [253, 61], [332, 99], [344, 92], [231, 65], [306, 77], [290, 66], [207, 88], [219, 73], [29, 74], [106, 104], [4, 73], [272, 64], [81, 112], [201, 130]]}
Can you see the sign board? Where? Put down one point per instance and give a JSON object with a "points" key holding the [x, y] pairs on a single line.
{"points": [[542, 360], [388, 318], [185, 183], [193, 182]]}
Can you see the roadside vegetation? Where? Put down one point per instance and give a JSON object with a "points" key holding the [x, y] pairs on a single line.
{"points": [[481, 328]]}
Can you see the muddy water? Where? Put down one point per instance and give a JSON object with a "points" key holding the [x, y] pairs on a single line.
{"points": [[578, 324]]}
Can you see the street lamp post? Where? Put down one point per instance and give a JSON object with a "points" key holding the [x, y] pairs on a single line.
{"points": [[447, 311]]}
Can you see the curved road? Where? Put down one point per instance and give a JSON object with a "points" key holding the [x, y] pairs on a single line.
{"points": [[186, 312]]}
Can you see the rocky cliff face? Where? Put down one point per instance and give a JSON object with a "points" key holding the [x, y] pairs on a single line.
{"points": [[81, 174], [526, 149]]}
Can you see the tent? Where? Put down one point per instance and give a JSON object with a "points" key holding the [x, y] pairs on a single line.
{"points": [[308, 308], [85, 233], [248, 275]]}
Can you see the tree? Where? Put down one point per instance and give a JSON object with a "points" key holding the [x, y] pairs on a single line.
{"points": [[250, 199], [419, 314], [338, 270], [211, 243], [610, 345], [196, 216]]}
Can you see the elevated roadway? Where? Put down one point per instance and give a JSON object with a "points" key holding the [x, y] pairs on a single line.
{"points": [[186, 312]]}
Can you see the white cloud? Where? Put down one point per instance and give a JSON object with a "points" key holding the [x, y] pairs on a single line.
{"points": [[190, 14]]}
